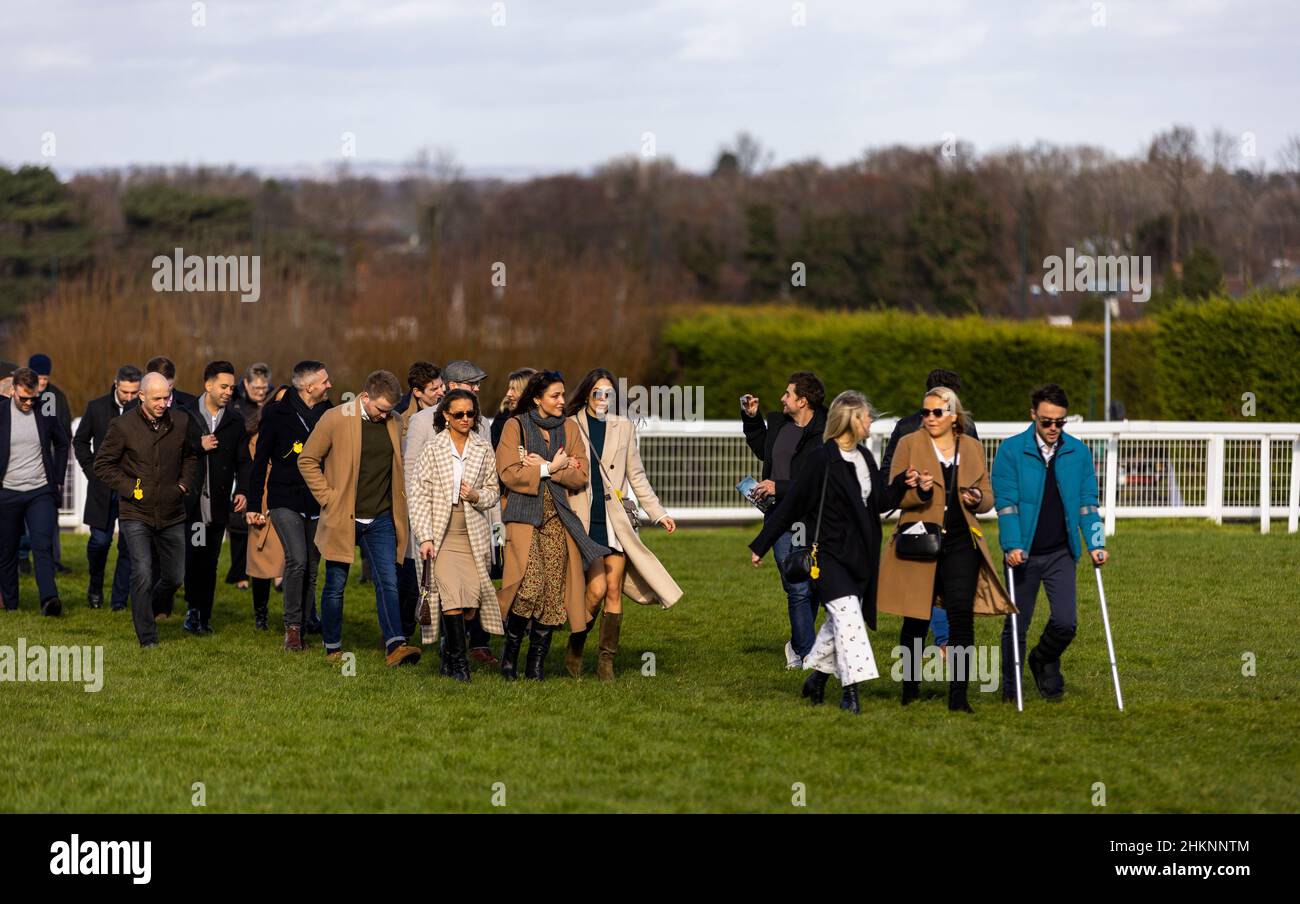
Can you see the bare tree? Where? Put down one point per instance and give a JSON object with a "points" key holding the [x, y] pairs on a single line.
{"points": [[1176, 160]]}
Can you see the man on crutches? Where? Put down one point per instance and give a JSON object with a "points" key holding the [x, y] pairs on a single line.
{"points": [[1045, 493]]}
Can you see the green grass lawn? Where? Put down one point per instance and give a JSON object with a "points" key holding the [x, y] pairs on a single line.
{"points": [[719, 726]]}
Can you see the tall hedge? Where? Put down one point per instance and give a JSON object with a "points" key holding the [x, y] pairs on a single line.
{"points": [[1210, 354], [1191, 362], [733, 350]]}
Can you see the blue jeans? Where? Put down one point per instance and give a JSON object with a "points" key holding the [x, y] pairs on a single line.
{"points": [[939, 625], [799, 598], [378, 540], [97, 549]]}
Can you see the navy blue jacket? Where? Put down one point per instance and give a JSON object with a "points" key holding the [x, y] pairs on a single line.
{"points": [[55, 442]]}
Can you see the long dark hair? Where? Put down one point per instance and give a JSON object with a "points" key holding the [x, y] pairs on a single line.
{"points": [[578, 400], [538, 383], [440, 416]]}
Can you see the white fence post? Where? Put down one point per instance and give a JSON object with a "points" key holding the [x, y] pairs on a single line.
{"points": [[1214, 468], [1265, 480], [1112, 482], [1293, 500]]}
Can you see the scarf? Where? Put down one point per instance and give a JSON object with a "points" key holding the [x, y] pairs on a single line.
{"points": [[525, 508]]}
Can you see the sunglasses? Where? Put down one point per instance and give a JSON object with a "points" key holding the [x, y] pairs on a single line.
{"points": [[933, 412], [1058, 422], [459, 415]]}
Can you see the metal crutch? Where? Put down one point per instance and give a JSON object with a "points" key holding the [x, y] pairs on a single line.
{"points": [[1015, 640], [1110, 643]]}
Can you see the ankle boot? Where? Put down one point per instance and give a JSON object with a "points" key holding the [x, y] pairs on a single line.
{"points": [[814, 687], [260, 616], [957, 696], [292, 639], [539, 644], [911, 692], [515, 627], [849, 701], [611, 625], [573, 652], [454, 654]]}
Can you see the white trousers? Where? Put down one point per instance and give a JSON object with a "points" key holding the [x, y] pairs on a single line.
{"points": [[841, 648]]}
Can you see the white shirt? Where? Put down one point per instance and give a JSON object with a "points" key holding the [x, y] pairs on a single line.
{"points": [[944, 461], [1048, 451], [860, 468], [457, 468]]}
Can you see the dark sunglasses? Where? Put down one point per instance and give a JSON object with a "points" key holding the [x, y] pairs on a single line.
{"points": [[934, 412], [460, 415], [1058, 423]]}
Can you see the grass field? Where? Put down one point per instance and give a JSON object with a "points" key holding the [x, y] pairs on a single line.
{"points": [[718, 727]]}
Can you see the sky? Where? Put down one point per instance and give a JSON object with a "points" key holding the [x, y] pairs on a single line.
{"points": [[532, 86]]}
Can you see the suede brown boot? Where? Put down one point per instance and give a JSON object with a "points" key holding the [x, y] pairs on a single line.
{"points": [[293, 639], [611, 624], [573, 652]]}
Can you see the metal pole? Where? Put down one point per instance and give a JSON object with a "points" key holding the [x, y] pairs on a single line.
{"points": [[1106, 303]]}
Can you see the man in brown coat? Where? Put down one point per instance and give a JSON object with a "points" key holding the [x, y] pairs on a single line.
{"points": [[149, 460], [352, 463]]}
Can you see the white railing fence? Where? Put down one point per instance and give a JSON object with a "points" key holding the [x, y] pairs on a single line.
{"points": [[1145, 469]]}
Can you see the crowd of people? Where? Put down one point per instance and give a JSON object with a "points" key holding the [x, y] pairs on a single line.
{"points": [[442, 504], [438, 502], [936, 569]]}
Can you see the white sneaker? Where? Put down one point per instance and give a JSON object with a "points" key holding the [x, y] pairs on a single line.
{"points": [[792, 660]]}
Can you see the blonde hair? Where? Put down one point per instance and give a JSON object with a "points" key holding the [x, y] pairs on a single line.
{"points": [[839, 419], [954, 406]]}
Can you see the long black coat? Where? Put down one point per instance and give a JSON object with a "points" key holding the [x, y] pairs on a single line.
{"points": [[220, 465], [848, 550], [761, 438], [88, 440]]}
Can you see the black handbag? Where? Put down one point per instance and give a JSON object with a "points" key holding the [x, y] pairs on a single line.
{"points": [[924, 547], [801, 564]]}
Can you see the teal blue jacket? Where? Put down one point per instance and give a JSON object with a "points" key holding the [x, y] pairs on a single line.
{"points": [[1019, 475]]}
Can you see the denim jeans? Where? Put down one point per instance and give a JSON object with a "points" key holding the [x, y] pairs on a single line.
{"points": [[297, 535], [38, 510], [148, 585], [800, 600], [378, 540], [939, 625], [97, 549]]}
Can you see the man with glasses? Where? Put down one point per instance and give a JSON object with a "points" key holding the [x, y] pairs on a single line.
{"points": [[352, 463], [33, 460], [1045, 493]]}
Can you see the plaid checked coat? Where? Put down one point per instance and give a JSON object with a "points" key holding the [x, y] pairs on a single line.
{"points": [[428, 492]]}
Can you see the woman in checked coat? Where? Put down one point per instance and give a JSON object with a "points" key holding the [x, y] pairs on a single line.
{"points": [[451, 490]]}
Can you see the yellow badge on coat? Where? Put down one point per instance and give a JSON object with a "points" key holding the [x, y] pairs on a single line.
{"points": [[297, 447], [137, 492]]}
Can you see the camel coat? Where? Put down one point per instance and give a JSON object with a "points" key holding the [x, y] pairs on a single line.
{"points": [[519, 478], [645, 580], [429, 493], [265, 554], [907, 586], [330, 463]]}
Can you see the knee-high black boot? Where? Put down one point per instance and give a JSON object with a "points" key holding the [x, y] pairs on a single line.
{"points": [[515, 627], [913, 628], [961, 658], [539, 644], [454, 655]]}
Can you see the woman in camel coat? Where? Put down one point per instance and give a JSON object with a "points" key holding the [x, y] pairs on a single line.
{"points": [[964, 571], [541, 460], [631, 568]]}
